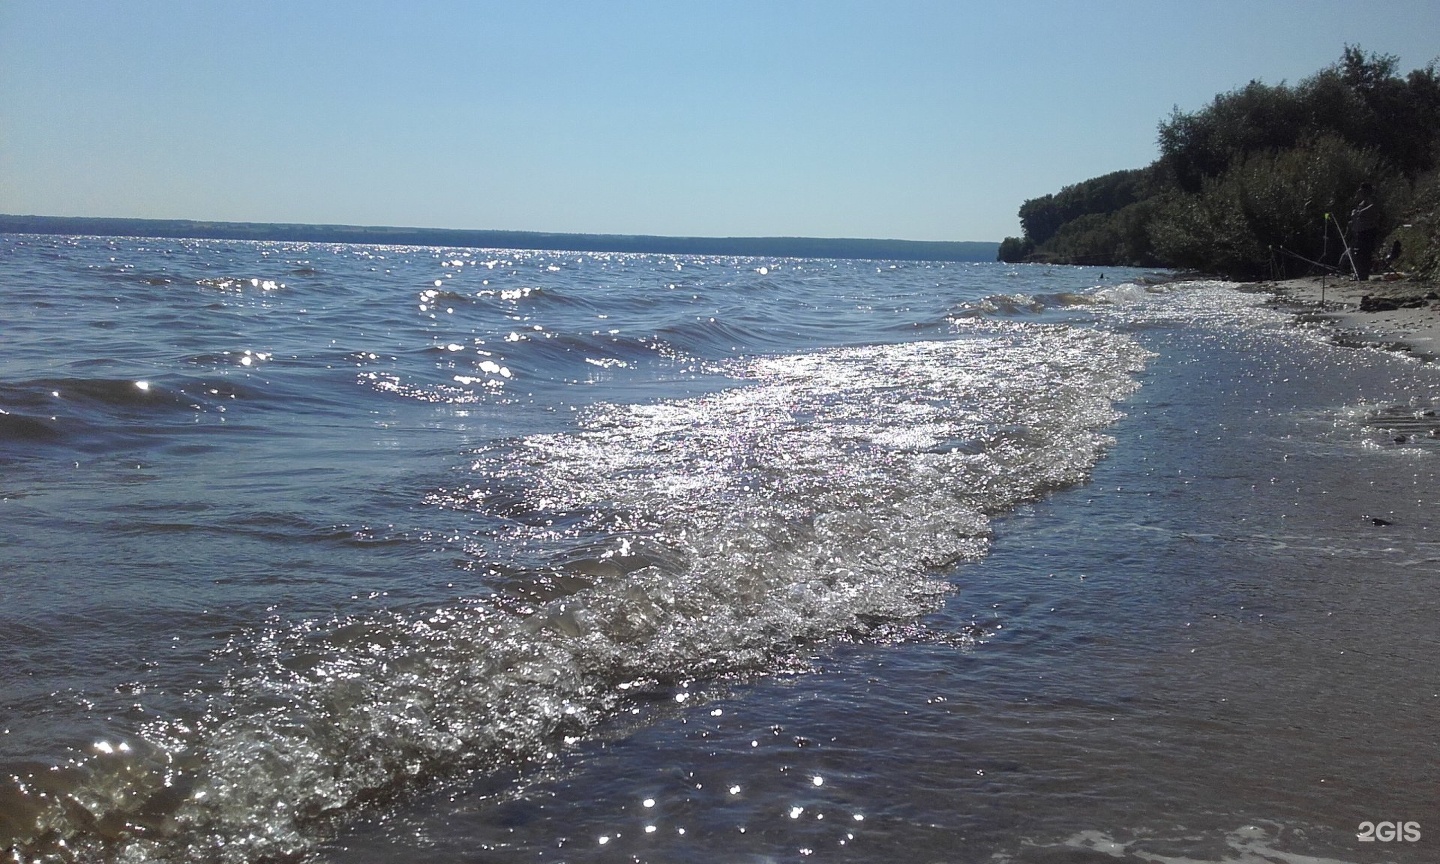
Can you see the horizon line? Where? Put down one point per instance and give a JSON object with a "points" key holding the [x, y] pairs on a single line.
{"points": [[838, 247]]}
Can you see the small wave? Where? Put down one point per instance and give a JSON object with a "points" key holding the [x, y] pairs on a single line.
{"points": [[512, 294], [543, 351], [99, 413], [1128, 292], [20, 428], [1000, 304], [475, 370], [234, 284], [1404, 423], [438, 295], [167, 392], [114, 392], [1010, 305], [721, 337]]}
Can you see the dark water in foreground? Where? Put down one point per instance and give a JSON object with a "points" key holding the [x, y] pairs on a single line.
{"points": [[501, 556]]}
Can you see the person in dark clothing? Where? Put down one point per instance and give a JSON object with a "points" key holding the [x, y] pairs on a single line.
{"points": [[1364, 231]]}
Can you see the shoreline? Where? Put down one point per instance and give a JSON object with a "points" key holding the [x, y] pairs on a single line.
{"points": [[1397, 314]]}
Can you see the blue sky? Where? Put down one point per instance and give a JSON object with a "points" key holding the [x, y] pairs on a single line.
{"points": [[895, 119]]}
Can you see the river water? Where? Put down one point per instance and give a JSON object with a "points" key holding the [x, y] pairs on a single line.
{"points": [[357, 553]]}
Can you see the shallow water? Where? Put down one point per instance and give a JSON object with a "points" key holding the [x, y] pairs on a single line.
{"points": [[488, 555]]}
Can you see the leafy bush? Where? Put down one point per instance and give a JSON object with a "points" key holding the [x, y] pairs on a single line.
{"points": [[1419, 235]]}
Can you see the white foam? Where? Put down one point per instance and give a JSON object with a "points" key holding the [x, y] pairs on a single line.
{"points": [[819, 494]]}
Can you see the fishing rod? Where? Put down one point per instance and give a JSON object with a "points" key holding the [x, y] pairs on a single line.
{"points": [[1348, 253], [1321, 264]]}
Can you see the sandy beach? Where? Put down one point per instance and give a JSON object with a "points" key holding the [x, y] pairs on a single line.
{"points": [[1403, 314]]}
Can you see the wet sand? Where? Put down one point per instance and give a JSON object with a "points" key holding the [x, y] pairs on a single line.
{"points": [[1400, 313]]}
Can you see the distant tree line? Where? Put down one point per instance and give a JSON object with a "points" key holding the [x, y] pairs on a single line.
{"points": [[1260, 182]]}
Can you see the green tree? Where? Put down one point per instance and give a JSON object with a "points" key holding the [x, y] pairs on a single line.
{"points": [[1359, 99], [1268, 209], [1248, 180], [1042, 217], [1258, 116], [1014, 250]]}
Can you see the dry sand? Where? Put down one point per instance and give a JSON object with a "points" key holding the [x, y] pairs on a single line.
{"points": [[1414, 326]]}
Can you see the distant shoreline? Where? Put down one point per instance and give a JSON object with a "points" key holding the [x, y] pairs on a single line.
{"points": [[763, 247]]}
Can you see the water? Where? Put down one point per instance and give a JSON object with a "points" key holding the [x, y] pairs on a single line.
{"points": [[350, 553]]}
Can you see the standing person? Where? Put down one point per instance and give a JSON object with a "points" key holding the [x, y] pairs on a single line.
{"points": [[1364, 228]]}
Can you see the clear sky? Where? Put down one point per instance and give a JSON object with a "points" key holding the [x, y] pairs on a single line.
{"points": [[890, 119]]}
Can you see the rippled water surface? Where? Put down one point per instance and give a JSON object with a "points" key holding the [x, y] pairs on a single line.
{"points": [[354, 553]]}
